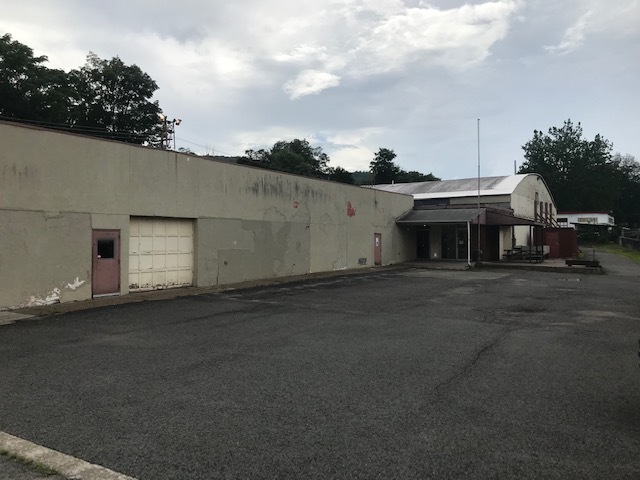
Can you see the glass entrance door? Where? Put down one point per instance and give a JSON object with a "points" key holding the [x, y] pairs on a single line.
{"points": [[423, 245], [454, 242], [462, 239]]}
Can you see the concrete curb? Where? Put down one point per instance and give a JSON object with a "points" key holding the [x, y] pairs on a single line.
{"points": [[167, 294], [541, 268], [170, 293], [65, 465]]}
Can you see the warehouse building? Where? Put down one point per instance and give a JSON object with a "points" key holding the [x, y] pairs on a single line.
{"points": [[82, 217]]}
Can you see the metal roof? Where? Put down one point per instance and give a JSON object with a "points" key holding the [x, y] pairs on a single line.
{"points": [[466, 187], [445, 215]]}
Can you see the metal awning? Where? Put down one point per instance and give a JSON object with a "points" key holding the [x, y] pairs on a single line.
{"points": [[435, 216], [496, 217], [486, 216]]}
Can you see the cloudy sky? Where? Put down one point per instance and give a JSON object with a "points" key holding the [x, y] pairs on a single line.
{"points": [[355, 75]]}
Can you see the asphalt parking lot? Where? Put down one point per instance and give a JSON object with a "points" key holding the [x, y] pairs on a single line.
{"points": [[406, 373]]}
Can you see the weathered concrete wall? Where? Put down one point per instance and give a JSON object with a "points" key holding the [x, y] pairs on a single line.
{"points": [[250, 223], [44, 257]]}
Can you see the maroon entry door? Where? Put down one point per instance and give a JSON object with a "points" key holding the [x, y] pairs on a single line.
{"points": [[106, 262], [377, 248]]}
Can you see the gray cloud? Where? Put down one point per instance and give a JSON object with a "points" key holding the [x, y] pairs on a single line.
{"points": [[355, 75]]}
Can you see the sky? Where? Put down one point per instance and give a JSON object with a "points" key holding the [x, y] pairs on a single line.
{"points": [[443, 83]]}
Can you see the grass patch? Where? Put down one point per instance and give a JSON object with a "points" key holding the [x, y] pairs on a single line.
{"points": [[41, 469], [618, 250]]}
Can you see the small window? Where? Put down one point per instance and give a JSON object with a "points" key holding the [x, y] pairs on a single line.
{"points": [[106, 248]]}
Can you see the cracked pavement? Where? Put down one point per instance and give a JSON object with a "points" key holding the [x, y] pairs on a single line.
{"points": [[406, 373]]}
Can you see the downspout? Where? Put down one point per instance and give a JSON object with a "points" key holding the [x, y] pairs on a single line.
{"points": [[469, 243]]}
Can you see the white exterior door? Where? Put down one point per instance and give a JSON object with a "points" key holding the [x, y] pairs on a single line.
{"points": [[160, 253]]}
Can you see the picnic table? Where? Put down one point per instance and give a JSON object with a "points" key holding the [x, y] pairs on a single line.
{"points": [[525, 254]]}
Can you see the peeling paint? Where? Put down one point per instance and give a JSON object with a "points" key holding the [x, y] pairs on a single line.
{"points": [[77, 283], [52, 297]]}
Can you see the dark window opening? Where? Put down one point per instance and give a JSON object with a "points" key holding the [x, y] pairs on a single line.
{"points": [[106, 248]]}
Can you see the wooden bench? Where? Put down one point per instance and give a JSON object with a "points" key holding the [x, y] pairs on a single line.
{"points": [[585, 263]]}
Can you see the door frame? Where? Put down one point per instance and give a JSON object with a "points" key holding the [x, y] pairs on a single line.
{"points": [[377, 249], [98, 234]]}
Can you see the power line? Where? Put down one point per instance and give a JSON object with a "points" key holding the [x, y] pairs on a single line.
{"points": [[76, 128], [205, 146], [85, 129]]}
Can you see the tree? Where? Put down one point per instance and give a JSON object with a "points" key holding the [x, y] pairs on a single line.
{"points": [[29, 91], [627, 205], [413, 176], [580, 173], [113, 100], [383, 168], [295, 156], [341, 175]]}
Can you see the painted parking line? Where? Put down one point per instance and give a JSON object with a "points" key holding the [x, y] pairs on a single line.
{"points": [[66, 465]]}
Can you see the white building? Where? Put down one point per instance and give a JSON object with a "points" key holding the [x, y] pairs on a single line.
{"points": [[575, 219]]}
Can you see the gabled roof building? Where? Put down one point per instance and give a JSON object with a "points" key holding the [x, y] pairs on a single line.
{"points": [[448, 215]]}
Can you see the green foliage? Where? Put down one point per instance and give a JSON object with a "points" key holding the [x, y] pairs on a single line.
{"points": [[362, 178], [627, 203], [413, 176], [384, 170], [28, 89], [296, 156], [339, 174], [113, 101], [618, 250], [104, 98], [582, 174]]}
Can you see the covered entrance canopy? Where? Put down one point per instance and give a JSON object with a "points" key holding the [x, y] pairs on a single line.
{"points": [[444, 215], [453, 230]]}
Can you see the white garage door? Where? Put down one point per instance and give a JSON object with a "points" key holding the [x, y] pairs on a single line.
{"points": [[160, 253]]}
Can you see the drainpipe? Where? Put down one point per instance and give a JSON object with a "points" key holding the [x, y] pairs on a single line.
{"points": [[469, 243]]}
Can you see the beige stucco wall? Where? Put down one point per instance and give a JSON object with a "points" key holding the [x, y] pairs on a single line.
{"points": [[250, 223], [523, 203], [524, 196]]}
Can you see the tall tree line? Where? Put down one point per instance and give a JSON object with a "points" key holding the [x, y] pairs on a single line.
{"points": [[584, 175], [299, 157], [103, 98]]}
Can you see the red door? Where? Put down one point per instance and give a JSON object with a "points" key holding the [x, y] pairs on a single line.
{"points": [[377, 248], [552, 238], [106, 262]]}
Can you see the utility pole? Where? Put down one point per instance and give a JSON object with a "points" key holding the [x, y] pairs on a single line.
{"points": [[168, 131]]}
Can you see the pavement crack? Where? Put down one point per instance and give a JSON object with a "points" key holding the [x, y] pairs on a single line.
{"points": [[466, 369]]}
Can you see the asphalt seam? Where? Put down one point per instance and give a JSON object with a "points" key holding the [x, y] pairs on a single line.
{"points": [[70, 467]]}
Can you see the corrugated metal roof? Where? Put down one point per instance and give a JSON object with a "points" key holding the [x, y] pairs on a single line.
{"points": [[466, 187], [445, 215]]}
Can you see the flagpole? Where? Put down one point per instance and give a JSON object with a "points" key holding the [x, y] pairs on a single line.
{"points": [[478, 253]]}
